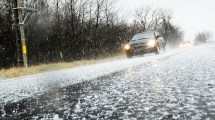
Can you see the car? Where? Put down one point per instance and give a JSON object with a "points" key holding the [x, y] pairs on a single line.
{"points": [[145, 42], [185, 44]]}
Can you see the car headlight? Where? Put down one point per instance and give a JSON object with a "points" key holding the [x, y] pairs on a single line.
{"points": [[151, 43], [127, 47], [181, 46]]}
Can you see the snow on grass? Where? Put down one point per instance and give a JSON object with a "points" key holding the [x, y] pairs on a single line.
{"points": [[19, 71]]}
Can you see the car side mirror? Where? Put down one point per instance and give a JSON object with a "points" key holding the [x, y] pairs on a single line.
{"points": [[158, 36]]}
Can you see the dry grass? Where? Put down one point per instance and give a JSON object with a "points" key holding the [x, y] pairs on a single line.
{"points": [[17, 72]]}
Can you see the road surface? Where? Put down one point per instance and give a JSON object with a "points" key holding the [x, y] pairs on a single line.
{"points": [[173, 85]]}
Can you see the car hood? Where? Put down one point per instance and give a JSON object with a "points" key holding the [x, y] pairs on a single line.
{"points": [[139, 42]]}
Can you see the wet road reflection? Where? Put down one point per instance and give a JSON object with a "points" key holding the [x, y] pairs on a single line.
{"points": [[158, 89]]}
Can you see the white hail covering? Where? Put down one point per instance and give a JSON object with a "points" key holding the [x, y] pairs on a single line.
{"points": [[23, 87]]}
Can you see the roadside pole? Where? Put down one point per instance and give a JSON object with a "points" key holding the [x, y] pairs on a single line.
{"points": [[21, 14], [22, 32]]}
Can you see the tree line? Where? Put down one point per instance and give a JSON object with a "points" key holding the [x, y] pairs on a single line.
{"points": [[68, 30], [202, 37]]}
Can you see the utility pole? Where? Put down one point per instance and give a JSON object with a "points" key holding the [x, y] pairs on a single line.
{"points": [[17, 33], [21, 10], [22, 32]]}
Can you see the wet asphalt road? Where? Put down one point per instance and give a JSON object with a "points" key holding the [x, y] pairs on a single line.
{"points": [[179, 86]]}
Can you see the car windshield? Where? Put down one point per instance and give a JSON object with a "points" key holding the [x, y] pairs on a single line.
{"points": [[141, 36], [186, 42]]}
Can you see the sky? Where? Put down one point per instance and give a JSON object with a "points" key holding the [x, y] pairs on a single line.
{"points": [[192, 16]]}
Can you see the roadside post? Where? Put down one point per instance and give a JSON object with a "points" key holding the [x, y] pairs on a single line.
{"points": [[21, 14]]}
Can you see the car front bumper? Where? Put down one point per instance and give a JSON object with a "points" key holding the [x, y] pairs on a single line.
{"points": [[141, 50]]}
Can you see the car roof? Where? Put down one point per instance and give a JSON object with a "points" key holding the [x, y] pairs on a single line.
{"points": [[185, 42], [148, 31]]}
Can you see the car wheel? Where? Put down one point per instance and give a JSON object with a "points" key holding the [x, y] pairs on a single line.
{"points": [[129, 55], [157, 50], [164, 48]]}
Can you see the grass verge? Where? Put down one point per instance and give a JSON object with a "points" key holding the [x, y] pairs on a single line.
{"points": [[18, 71]]}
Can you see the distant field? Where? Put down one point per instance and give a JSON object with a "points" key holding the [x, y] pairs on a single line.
{"points": [[17, 72]]}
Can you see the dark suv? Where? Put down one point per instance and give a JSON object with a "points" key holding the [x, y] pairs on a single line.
{"points": [[146, 42]]}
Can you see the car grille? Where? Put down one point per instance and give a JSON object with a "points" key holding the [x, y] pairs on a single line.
{"points": [[138, 46]]}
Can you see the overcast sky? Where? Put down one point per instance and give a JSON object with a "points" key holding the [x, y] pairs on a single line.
{"points": [[191, 15]]}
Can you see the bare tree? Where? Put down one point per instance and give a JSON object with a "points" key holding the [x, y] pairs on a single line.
{"points": [[159, 20], [7, 35], [148, 19], [202, 37]]}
